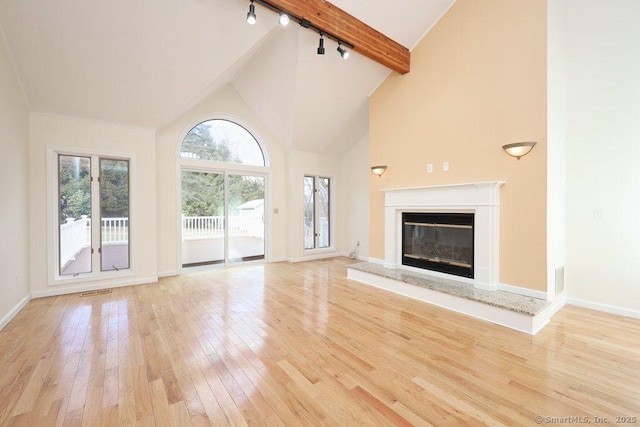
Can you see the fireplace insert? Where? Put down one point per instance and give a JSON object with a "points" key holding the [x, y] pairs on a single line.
{"points": [[440, 242]]}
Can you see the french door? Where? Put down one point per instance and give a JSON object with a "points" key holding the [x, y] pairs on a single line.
{"points": [[222, 217], [93, 214], [317, 225]]}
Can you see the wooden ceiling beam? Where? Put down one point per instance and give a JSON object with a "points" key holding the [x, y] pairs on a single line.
{"points": [[332, 20]]}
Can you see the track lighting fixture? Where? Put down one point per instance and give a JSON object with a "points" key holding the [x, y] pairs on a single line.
{"points": [[343, 52], [284, 19], [321, 45], [251, 16]]}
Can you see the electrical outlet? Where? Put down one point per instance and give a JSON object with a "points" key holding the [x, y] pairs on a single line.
{"points": [[430, 168], [445, 166], [598, 214]]}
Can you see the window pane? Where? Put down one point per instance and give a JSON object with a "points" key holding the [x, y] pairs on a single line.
{"points": [[323, 213], [309, 216], [114, 214], [202, 218], [74, 208], [222, 141], [246, 218]]}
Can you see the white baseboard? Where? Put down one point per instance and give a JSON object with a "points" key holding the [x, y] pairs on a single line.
{"points": [[168, 273], [543, 318], [15, 310], [522, 291], [319, 255], [279, 259], [621, 311], [376, 261], [559, 302], [54, 291]]}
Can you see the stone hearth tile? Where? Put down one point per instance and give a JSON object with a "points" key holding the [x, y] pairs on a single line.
{"points": [[502, 299]]}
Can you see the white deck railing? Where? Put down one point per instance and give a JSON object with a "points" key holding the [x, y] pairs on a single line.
{"points": [[115, 231], [210, 227], [75, 235]]}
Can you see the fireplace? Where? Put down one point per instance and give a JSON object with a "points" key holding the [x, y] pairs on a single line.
{"points": [[440, 242], [479, 199]]}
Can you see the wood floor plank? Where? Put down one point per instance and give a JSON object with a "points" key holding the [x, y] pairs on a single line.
{"points": [[33, 388], [300, 344], [109, 416], [161, 412], [93, 409], [179, 414]]}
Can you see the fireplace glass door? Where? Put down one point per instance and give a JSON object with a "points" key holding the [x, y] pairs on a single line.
{"points": [[439, 242]]}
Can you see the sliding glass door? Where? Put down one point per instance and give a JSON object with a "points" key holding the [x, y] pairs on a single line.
{"points": [[222, 218]]}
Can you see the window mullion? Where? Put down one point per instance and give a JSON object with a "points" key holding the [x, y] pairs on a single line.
{"points": [[316, 220], [226, 218], [96, 241]]}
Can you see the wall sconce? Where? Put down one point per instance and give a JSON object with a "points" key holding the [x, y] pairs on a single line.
{"points": [[378, 170], [518, 149]]}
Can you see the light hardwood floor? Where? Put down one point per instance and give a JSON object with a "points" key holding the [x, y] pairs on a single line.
{"points": [[299, 344]]}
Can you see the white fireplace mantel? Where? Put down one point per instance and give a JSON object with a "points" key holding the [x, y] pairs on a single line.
{"points": [[480, 198]]}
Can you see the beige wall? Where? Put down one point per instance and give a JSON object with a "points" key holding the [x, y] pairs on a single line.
{"points": [[14, 191], [477, 81], [224, 103], [99, 138]]}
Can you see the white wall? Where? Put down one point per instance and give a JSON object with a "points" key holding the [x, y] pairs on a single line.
{"points": [[301, 164], [227, 103], [14, 191], [603, 154], [355, 208], [62, 132], [556, 143]]}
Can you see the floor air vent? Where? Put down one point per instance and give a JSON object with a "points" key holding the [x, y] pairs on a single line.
{"points": [[92, 293]]}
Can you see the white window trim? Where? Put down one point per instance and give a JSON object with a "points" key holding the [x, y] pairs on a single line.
{"points": [[53, 275]]}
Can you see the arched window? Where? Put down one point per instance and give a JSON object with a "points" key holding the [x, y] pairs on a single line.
{"points": [[221, 140], [224, 177]]}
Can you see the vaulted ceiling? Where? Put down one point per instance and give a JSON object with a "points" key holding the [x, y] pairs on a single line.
{"points": [[145, 62]]}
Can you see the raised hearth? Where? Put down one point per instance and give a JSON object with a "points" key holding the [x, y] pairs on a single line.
{"points": [[523, 313]]}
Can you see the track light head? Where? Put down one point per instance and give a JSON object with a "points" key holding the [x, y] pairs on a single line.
{"points": [[321, 45], [284, 19], [343, 52], [251, 16]]}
